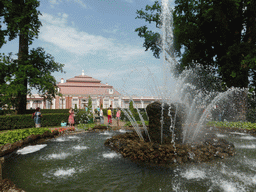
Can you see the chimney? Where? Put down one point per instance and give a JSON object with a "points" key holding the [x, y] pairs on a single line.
{"points": [[61, 80], [83, 72]]}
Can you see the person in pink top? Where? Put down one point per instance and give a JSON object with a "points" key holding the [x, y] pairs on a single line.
{"points": [[71, 120], [118, 114]]}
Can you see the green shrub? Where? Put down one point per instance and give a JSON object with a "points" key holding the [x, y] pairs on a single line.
{"points": [[17, 135], [81, 116], [25, 121], [251, 115], [54, 111], [31, 111], [82, 126], [105, 113], [242, 125], [90, 112], [86, 126]]}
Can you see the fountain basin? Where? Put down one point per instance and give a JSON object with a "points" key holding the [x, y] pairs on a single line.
{"points": [[137, 150], [82, 163]]}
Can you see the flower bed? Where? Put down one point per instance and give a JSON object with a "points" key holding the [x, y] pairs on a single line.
{"points": [[63, 130]]}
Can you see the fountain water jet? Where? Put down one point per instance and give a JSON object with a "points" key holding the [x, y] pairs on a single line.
{"points": [[179, 117]]}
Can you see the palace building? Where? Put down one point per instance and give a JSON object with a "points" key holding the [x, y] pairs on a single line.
{"points": [[76, 91]]}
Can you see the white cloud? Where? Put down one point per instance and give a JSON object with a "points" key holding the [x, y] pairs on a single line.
{"points": [[79, 2], [54, 2], [113, 31], [55, 30]]}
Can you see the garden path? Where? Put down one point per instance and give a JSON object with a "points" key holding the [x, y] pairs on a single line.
{"points": [[114, 122]]}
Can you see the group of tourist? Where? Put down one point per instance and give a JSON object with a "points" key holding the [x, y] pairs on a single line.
{"points": [[118, 115], [37, 116]]}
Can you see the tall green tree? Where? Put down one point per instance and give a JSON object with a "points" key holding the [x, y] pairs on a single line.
{"points": [[220, 34], [39, 67], [21, 19], [90, 112], [30, 69]]}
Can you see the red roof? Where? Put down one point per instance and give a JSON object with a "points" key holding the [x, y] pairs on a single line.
{"points": [[86, 91], [85, 85]]}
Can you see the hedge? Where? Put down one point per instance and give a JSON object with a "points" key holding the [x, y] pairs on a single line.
{"points": [[30, 111], [25, 121], [251, 115]]}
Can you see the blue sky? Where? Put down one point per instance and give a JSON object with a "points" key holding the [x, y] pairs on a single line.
{"points": [[98, 36]]}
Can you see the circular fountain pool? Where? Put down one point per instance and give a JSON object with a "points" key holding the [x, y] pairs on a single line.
{"points": [[82, 163]]}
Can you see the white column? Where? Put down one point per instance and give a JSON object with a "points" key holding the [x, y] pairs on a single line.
{"points": [[114, 105], [142, 104], [120, 102], [64, 103], [53, 103], [98, 102], [42, 105], [31, 103]]}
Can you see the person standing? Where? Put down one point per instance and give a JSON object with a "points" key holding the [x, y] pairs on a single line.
{"points": [[71, 120], [118, 114], [37, 117], [109, 112], [101, 116]]}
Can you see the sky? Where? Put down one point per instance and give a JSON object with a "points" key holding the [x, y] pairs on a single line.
{"points": [[98, 36]]}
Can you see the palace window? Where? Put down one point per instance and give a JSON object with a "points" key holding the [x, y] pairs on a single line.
{"points": [[48, 104], [36, 104], [62, 103], [74, 103], [84, 103]]}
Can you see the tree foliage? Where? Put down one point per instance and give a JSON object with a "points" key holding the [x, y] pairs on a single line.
{"points": [[220, 34], [31, 69], [37, 71], [20, 17]]}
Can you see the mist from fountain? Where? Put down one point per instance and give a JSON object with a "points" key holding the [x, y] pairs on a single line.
{"points": [[194, 98]]}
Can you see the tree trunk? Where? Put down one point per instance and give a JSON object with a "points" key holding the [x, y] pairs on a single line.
{"points": [[22, 58]]}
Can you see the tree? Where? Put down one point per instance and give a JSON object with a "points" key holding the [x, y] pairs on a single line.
{"points": [[37, 71], [134, 112], [34, 68], [21, 18], [152, 39], [213, 33], [90, 112]]}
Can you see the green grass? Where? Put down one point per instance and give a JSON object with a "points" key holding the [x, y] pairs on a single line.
{"points": [[128, 123], [86, 126], [243, 125]]}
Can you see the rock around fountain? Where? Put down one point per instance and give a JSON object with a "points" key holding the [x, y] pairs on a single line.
{"points": [[166, 145]]}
